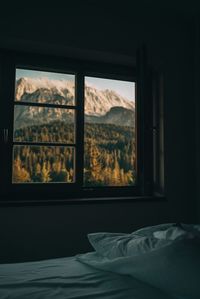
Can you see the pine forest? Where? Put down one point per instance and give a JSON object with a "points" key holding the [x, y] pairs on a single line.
{"points": [[109, 154]]}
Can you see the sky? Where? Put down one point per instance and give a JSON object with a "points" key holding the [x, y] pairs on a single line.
{"points": [[38, 74], [124, 88]]}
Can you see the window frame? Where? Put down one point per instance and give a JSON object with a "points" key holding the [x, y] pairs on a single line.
{"points": [[81, 69], [45, 144]]}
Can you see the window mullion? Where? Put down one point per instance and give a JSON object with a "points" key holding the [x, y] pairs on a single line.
{"points": [[79, 129], [46, 105]]}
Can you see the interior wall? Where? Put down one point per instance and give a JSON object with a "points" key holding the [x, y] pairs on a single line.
{"points": [[197, 106], [51, 231]]}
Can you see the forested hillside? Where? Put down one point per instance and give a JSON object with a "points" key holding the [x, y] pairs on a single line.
{"points": [[109, 155]]}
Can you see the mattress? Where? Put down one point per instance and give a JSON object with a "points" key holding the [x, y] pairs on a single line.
{"points": [[70, 278], [158, 262]]}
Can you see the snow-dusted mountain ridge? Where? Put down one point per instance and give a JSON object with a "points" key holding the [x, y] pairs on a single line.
{"points": [[44, 90]]}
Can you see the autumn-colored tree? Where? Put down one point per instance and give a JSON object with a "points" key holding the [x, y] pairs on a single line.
{"points": [[20, 175], [94, 172], [116, 181], [45, 174]]}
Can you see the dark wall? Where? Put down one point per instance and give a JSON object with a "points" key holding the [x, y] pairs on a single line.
{"points": [[96, 30], [197, 108]]}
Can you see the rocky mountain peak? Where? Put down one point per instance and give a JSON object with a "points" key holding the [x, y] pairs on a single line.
{"points": [[99, 104]]}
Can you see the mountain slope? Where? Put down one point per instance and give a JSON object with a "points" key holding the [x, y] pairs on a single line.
{"points": [[101, 106], [99, 102], [116, 115], [44, 91]]}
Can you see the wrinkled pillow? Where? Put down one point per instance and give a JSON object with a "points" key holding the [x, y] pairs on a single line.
{"points": [[113, 245], [117, 245], [142, 240], [149, 230], [174, 268], [171, 233], [178, 231]]}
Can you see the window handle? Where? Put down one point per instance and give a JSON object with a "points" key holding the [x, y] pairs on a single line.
{"points": [[5, 135], [153, 129]]}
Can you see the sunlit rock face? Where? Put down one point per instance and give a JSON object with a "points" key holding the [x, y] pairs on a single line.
{"points": [[101, 106]]}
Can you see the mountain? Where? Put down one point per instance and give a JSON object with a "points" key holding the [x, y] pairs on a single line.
{"points": [[99, 102], [44, 91], [29, 115], [101, 106], [116, 115]]}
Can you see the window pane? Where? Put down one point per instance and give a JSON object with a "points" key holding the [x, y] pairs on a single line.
{"points": [[44, 87], [110, 150], [42, 124], [43, 164]]}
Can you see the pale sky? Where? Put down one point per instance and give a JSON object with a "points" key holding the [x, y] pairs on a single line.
{"points": [[124, 88], [38, 74]]}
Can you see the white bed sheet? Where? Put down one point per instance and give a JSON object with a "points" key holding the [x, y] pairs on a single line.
{"points": [[69, 278]]}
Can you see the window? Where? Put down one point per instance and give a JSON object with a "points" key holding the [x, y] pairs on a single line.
{"points": [[44, 127], [74, 129], [109, 133]]}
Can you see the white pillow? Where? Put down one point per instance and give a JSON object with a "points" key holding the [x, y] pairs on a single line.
{"points": [[174, 268], [171, 233], [149, 230], [178, 231], [146, 239], [118, 245]]}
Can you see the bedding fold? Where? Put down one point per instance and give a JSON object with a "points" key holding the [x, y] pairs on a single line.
{"points": [[174, 268], [68, 278]]}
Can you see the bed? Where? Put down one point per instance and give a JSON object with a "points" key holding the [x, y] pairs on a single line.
{"points": [[156, 262]]}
